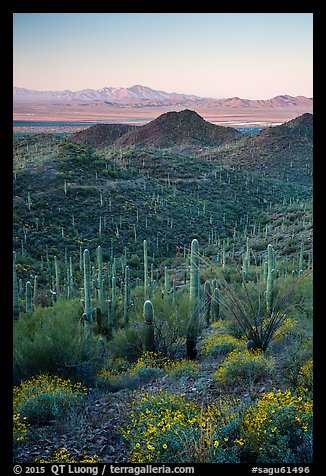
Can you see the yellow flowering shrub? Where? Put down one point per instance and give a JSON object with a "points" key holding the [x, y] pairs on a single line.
{"points": [[221, 344], [166, 427], [277, 426], [289, 327], [120, 374], [305, 378], [44, 397], [244, 368]]}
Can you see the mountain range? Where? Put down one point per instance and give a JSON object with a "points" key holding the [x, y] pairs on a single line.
{"points": [[142, 95]]}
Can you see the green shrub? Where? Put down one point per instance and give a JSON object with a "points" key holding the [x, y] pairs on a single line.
{"points": [[127, 342], [184, 369], [244, 368], [53, 340]]}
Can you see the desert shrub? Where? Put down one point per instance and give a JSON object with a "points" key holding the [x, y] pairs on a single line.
{"points": [[53, 340], [289, 327], [278, 428], [119, 373], [298, 353], [183, 369], [244, 368], [127, 342], [165, 427], [111, 382], [220, 344], [45, 397]]}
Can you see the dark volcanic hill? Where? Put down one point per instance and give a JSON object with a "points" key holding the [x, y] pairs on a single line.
{"points": [[179, 129], [101, 135]]}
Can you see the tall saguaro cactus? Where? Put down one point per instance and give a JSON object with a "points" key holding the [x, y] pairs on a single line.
{"points": [[194, 301], [99, 255], [208, 301], [148, 330], [29, 301], [57, 276], [15, 289], [127, 299], [35, 296], [87, 286], [270, 277], [110, 320], [215, 305]]}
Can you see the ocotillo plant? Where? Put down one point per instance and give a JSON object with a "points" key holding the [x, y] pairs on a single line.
{"points": [[193, 323], [270, 277], [148, 330], [15, 289], [29, 302], [87, 286]]}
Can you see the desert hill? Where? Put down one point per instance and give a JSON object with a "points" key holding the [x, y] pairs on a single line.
{"points": [[183, 129]]}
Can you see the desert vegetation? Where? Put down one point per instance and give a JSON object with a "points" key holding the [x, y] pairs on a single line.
{"points": [[162, 298]]}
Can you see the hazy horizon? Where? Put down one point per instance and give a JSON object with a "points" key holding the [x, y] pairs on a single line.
{"points": [[217, 55]]}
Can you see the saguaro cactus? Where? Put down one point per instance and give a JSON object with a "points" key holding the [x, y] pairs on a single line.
{"points": [[57, 276], [110, 320], [87, 286], [29, 302], [194, 301], [215, 305], [15, 289], [270, 277], [35, 291], [114, 293], [100, 295], [148, 330], [208, 301], [127, 299]]}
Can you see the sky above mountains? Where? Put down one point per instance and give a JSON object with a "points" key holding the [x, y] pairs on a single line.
{"points": [[250, 55]]}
